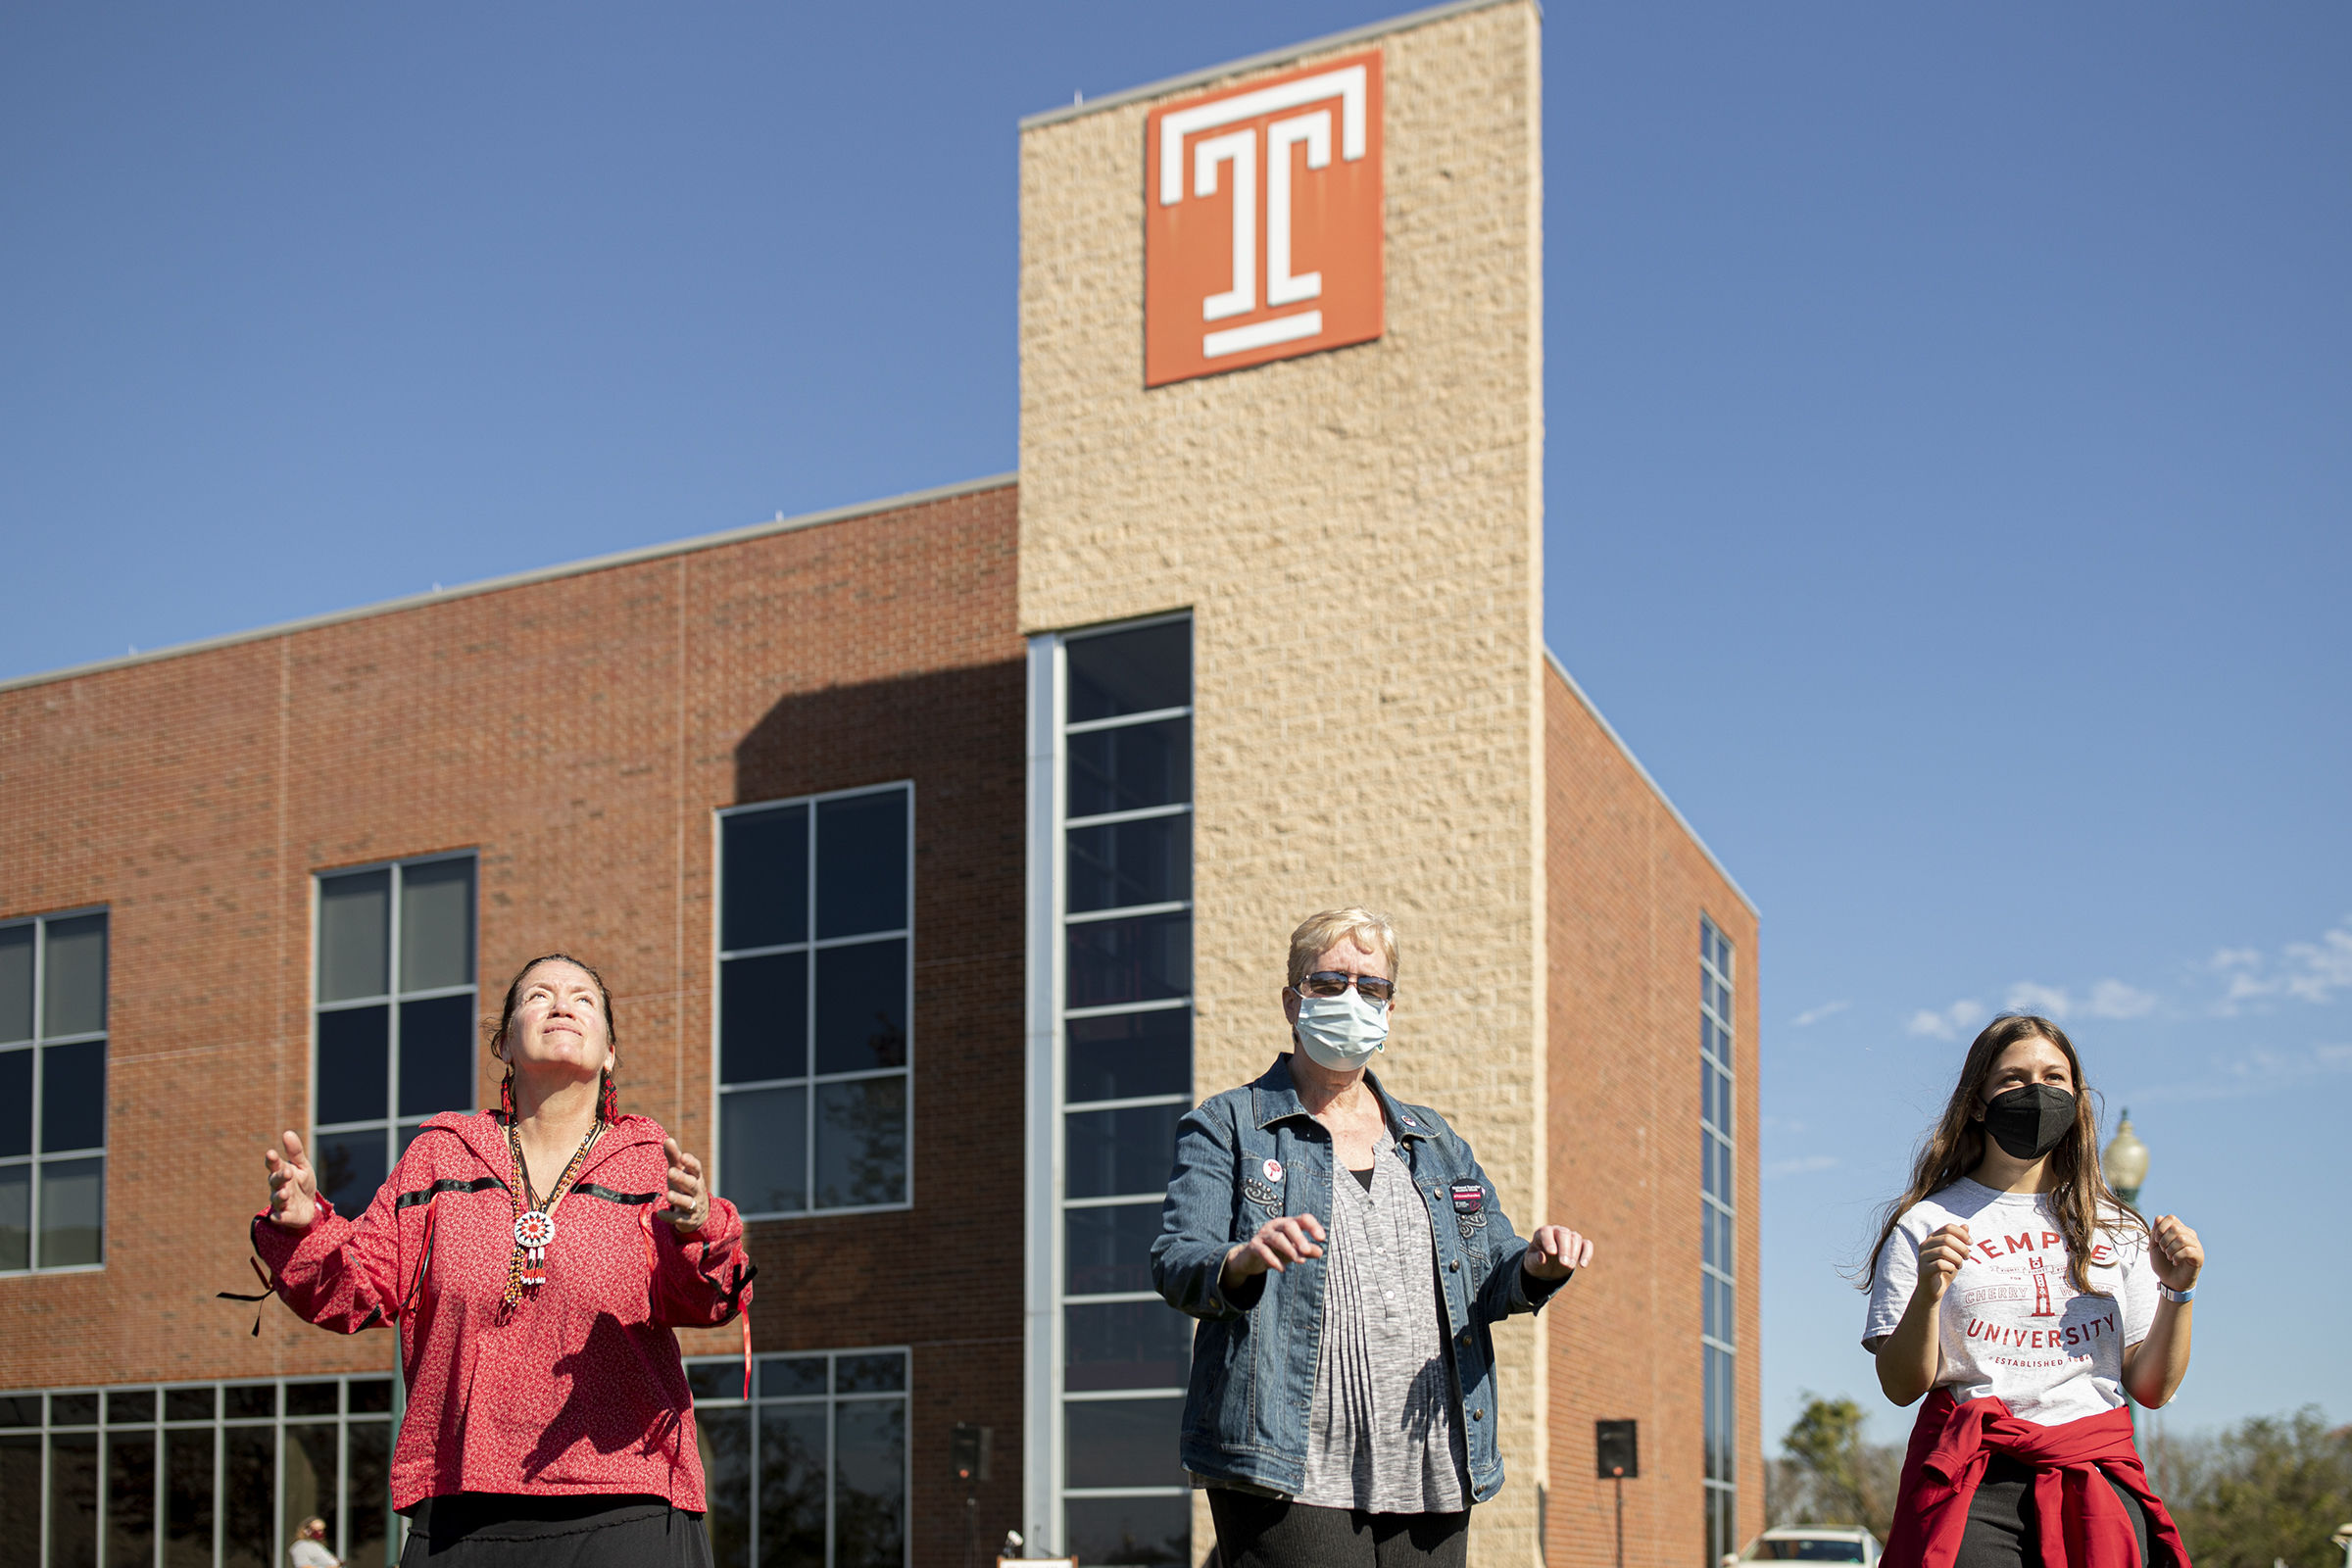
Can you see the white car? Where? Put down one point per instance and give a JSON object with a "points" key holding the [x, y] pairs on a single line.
{"points": [[1812, 1544]]}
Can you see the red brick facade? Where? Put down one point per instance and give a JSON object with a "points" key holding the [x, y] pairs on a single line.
{"points": [[1628, 886]]}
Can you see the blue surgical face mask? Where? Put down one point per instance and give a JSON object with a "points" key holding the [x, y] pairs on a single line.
{"points": [[1341, 1032]]}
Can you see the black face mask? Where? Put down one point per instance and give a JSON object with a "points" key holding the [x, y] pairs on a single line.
{"points": [[2030, 1121]]}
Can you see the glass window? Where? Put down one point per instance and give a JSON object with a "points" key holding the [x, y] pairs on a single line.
{"points": [[1717, 1206], [812, 1469], [397, 1015], [53, 1049], [815, 1002]]}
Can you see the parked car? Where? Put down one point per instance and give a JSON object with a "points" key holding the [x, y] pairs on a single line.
{"points": [[1812, 1544]]}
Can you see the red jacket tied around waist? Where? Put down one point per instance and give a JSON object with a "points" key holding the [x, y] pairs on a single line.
{"points": [[575, 1388], [2080, 1520]]}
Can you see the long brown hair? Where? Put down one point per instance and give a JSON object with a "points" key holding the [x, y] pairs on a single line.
{"points": [[2080, 1197]]}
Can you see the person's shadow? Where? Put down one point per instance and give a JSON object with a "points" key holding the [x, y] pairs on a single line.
{"points": [[609, 1359]]}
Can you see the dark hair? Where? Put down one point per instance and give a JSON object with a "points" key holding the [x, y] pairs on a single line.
{"points": [[2080, 1198], [506, 1013]]}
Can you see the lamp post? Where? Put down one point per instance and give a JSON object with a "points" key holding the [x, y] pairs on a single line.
{"points": [[2124, 1160]]}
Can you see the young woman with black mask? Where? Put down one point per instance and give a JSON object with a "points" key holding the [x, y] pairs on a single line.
{"points": [[2027, 1302]]}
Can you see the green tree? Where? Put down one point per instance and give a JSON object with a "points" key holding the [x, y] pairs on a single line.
{"points": [[1831, 1475], [2269, 1489]]}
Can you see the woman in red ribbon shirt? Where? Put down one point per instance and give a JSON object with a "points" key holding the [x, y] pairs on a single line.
{"points": [[535, 1260], [2013, 1289]]}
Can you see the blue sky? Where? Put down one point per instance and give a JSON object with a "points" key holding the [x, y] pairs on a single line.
{"points": [[1950, 453]]}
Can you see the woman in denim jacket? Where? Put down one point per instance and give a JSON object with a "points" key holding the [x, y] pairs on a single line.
{"points": [[1345, 1254]]}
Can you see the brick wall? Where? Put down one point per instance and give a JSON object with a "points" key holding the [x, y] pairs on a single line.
{"points": [[578, 731], [1628, 885]]}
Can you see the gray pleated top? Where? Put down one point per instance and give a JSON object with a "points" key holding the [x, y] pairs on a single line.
{"points": [[1381, 1433]]}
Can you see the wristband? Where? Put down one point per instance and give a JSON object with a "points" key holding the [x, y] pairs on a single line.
{"points": [[2171, 1295]]}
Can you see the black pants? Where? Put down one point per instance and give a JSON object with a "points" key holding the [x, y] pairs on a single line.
{"points": [[2004, 1531], [1255, 1531], [498, 1530]]}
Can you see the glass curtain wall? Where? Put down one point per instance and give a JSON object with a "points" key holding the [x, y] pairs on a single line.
{"points": [[1717, 1211], [395, 1025], [812, 1471], [1118, 787], [53, 1091], [196, 1475]]}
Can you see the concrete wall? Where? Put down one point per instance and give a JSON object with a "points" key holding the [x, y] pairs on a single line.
{"points": [[1358, 535]]}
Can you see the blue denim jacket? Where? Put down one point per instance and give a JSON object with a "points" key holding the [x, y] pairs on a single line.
{"points": [[1253, 1153]]}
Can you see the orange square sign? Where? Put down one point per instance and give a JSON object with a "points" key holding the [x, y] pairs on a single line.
{"points": [[1262, 221]]}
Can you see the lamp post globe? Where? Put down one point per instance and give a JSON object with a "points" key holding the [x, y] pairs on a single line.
{"points": [[2124, 1160]]}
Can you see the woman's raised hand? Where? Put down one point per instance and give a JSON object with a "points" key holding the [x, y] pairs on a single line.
{"points": [[1554, 1251], [2177, 1256], [1286, 1239], [293, 1186], [689, 1196], [1939, 1259]]}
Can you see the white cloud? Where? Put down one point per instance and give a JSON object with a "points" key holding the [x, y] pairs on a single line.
{"points": [[1801, 1166], [1951, 1022], [1813, 1016], [2112, 998], [2047, 1000], [2308, 971], [2255, 1070]]}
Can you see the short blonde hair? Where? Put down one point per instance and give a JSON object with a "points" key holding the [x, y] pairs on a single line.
{"points": [[1319, 933]]}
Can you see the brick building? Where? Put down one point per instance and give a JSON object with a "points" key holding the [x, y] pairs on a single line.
{"points": [[1013, 791]]}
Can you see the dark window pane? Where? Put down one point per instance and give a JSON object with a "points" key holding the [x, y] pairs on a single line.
{"points": [[246, 1401], [1114, 1151], [862, 1006], [794, 1376], [129, 1405], [188, 1497], [73, 1409], [74, 989], [1127, 1344], [309, 1466], [1130, 1054], [130, 1497], [1109, 1249], [367, 1494], [188, 1404], [1130, 1532], [869, 1484], [725, 1439], [355, 941], [1138, 960], [368, 1396], [883, 1373], [714, 1380], [73, 1213], [74, 1500], [1146, 861], [72, 1095], [436, 925], [792, 1485], [349, 1167], [764, 1017], [765, 870], [764, 1144], [436, 1055], [1122, 1443], [354, 1047], [1130, 768], [248, 1493], [1130, 671], [16, 1216], [862, 1142], [862, 864], [311, 1399], [16, 983], [20, 1500], [19, 1410]]}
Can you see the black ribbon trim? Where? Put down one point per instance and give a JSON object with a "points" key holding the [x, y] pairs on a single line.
{"points": [[269, 1288], [447, 1184], [591, 1189], [744, 1275]]}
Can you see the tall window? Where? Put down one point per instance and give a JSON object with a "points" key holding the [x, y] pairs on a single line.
{"points": [[1121, 811], [816, 991], [812, 1469], [396, 1020], [1716, 1210], [197, 1475], [53, 1092]]}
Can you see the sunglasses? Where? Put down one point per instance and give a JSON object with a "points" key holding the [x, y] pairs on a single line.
{"points": [[1332, 983]]}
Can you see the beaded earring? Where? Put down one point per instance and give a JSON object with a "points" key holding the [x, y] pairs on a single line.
{"points": [[608, 1103], [506, 1093]]}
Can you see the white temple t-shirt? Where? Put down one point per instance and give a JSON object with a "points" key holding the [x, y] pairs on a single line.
{"points": [[2012, 1323]]}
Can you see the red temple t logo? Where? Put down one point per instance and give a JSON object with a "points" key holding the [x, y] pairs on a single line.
{"points": [[1262, 221]]}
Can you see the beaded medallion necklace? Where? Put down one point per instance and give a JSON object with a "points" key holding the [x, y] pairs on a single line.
{"points": [[535, 1221]]}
